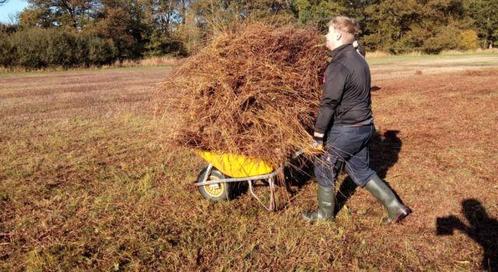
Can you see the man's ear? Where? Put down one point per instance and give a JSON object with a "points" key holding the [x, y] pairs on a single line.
{"points": [[338, 36]]}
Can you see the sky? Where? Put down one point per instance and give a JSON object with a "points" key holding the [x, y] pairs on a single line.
{"points": [[10, 9]]}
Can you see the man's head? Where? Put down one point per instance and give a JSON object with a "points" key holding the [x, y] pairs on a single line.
{"points": [[342, 30]]}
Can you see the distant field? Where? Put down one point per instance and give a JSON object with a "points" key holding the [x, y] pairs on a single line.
{"points": [[409, 65], [85, 183]]}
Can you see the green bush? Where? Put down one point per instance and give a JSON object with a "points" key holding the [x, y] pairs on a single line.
{"points": [[468, 40], [100, 51], [7, 52], [445, 38], [160, 45], [38, 48], [451, 38], [30, 47], [62, 49], [81, 51]]}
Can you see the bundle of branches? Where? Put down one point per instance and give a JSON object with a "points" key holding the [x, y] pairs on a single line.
{"points": [[254, 91]]}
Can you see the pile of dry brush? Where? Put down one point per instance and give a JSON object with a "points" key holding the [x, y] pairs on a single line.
{"points": [[254, 91]]}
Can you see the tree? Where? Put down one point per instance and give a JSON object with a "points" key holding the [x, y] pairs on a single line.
{"points": [[73, 14], [427, 25], [219, 15], [317, 12], [123, 23], [36, 17], [135, 28], [388, 21], [483, 13]]}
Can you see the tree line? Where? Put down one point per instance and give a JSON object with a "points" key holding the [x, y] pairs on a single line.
{"points": [[97, 32]]}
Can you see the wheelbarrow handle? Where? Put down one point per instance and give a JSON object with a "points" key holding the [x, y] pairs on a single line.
{"points": [[297, 153]]}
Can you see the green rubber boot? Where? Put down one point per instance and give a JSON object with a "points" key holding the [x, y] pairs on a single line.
{"points": [[326, 204], [396, 211]]}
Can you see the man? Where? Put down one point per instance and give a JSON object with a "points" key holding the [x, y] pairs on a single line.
{"points": [[345, 123]]}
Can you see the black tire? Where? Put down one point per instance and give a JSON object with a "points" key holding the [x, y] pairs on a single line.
{"points": [[215, 192]]}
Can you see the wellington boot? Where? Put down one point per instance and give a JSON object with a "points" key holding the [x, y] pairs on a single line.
{"points": [[326, 204], [396, 211]]}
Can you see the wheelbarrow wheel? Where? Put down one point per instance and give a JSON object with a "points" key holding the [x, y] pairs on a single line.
{"points": [[215, 192]]}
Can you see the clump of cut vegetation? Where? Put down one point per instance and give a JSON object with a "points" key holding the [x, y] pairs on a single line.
{"points": [[254, 91]]}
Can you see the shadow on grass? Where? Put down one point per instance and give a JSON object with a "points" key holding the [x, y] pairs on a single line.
{"points": [[298, 173], [384, 151], [482, 229]]}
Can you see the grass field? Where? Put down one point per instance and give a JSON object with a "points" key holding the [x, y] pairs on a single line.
{"points": [[86, 183]]}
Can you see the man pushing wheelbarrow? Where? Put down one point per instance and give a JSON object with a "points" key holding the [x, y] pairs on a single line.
{"points": [[344, 126], [342, 131]]}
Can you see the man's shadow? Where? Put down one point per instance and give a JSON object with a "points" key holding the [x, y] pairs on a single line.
{"points": [[384, 153], [482, 229]]}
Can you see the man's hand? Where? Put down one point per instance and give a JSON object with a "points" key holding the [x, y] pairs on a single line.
{"points": [[317, 141]]}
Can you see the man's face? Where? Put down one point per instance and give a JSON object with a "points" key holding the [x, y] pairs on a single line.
{"points": [[333, 38]]}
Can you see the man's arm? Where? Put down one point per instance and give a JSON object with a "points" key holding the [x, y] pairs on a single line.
{"points": [[335, 80]]}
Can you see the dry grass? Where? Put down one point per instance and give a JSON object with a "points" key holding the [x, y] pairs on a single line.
{"points": [[383, 54], [145, 62], [396, 67], [150, 61], [86, 185], [470, 52]]}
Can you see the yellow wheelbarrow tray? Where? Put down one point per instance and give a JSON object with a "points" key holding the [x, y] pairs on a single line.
{"points": [[224, 169]]}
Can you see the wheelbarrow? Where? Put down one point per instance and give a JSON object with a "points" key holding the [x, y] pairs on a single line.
{"points": [[219, 179]]}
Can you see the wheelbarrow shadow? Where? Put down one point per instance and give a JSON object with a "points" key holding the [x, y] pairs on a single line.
{"points": [[297, 173]]}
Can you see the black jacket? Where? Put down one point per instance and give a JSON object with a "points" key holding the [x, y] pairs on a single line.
{"points": [[346, 94]]}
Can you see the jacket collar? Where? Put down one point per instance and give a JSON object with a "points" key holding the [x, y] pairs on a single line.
{"points": [[339, 50]]}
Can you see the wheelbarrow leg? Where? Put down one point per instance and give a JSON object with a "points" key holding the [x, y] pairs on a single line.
{"points": [[272, 194], [208, 172], [272, 205]]}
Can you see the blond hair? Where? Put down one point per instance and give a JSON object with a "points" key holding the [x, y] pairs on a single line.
{"points": [[346, 25]]}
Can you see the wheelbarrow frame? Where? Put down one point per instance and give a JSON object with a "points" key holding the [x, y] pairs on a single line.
{"points": [[270, 178]]}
